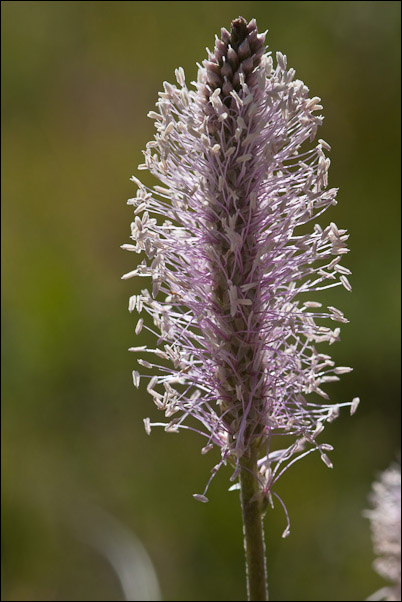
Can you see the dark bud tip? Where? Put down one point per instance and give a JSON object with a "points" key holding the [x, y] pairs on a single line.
{"points": [[238, 32]]}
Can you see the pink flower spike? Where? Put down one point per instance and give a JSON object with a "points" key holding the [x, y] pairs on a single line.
{"points": [[233, 252]]}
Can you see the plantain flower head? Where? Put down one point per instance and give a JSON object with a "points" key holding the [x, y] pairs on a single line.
{"points": [[385, 519], [234, 254]]}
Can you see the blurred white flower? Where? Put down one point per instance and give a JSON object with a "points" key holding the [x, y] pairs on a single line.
{"points": [[385, 518]]}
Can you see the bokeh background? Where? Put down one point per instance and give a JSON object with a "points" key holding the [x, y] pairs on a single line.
{"points": [[78, 79]]}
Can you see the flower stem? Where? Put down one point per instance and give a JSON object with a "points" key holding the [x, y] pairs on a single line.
{"points": [[253, 529]]}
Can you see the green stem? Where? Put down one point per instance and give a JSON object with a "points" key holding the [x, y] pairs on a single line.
{"points": [[253, 529]]}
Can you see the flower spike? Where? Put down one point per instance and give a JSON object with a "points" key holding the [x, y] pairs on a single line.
{"points": [[234, 254]]}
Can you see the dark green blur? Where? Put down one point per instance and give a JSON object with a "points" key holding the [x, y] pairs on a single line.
{"points": [[78, 79]]}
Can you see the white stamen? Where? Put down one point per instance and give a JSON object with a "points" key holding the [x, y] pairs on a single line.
{"points": [[136, 379], [200, 498]]}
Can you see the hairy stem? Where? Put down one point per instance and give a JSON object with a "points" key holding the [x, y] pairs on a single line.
{"points": [[253, 529]]}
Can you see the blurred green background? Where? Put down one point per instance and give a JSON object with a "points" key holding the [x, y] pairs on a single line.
{"points": [[78, 79]]}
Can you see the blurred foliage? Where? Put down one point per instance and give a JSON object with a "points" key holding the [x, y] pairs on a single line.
{"points": [[78, 79]]}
